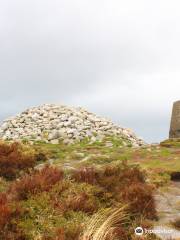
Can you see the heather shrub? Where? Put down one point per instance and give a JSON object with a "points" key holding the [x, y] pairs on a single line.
{"points": [[123, 183], [72, 232], [82, 202], [4, 210], [78, 197], [85, 174], [60, 234], [3, 185], [140, 199], [74, 224], [13, 159], [40, 156], [110, 177], [9, 215], [127, 184], [39, 218], [43, 220], [113, 178], [44, 204], [36, 182]]}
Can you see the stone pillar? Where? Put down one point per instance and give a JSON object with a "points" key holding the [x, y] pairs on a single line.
{"points": [[175, 121]]}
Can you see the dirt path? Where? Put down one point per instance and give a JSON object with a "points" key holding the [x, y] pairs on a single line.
{"points": [[168, 207]]}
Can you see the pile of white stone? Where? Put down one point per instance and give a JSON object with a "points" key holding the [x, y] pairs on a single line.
{"points": [[54, 123]]}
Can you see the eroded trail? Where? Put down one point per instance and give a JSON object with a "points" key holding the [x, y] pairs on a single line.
{"points": [[168, 207]]}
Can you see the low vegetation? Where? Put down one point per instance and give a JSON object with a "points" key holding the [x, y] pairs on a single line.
{"points": [[13, 160], [35, 182], [88, 200], [160, 160], [16, 158]]}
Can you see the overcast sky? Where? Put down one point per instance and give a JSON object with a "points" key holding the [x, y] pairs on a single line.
{"points": [[119, 59]]}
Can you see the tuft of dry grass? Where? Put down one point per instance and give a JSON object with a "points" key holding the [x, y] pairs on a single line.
{"points": [[176, 223], [106, 224]]}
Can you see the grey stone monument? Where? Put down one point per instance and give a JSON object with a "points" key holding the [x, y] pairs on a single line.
{"points": [[175, 121]]}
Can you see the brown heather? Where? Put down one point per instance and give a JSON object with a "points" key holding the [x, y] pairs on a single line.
{"points": [[36, 182], [13, 160]]}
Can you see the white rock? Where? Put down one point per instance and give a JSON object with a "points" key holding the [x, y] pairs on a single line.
{"points": [[53, 135], [109, 144], [54, 141], [4, 126]]}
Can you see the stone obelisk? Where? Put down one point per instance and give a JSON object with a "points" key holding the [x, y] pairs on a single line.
{"points": [[175, 121]]}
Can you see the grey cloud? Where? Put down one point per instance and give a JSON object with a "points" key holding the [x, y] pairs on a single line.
{"points": [[117, 58]]}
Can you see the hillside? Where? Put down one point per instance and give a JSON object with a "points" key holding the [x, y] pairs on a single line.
{"points": [[94, 188], [84, 184]]}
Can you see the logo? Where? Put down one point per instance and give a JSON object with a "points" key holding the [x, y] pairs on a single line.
{"points": [[139, 231]]}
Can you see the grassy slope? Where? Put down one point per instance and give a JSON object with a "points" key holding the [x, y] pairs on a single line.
{"points": [[40, 216], [158, 161]]}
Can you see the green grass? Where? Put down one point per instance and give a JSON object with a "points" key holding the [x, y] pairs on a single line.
{"points": [[171, 143], [71, 153], [41, 218], [163, 158]]}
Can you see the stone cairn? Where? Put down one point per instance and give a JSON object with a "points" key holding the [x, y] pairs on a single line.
{"points": [[175, 121], [54, 123]]}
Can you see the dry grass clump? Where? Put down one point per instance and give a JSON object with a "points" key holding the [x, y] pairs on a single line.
{"points": [[107, 224], [36, 182], [13, 160], [176, 223]]}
